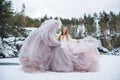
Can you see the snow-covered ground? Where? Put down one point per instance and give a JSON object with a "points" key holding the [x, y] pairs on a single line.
{"points": [[109, 70]]}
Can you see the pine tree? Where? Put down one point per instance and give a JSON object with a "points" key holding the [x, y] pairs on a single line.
{"points": [[90, 24], [6, 13]]}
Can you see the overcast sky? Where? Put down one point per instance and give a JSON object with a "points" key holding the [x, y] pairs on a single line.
{"points": [[65, 8]]}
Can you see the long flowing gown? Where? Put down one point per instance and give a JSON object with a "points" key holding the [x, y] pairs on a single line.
{"points": [[76, 56], [41, 51], [37, 48]]}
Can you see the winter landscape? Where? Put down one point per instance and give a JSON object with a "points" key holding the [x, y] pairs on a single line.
{"points": [[10, 67], [100, 20], [109, 70]]}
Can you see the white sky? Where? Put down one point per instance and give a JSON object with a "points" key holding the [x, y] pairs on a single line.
{"points": [[65, 8]]}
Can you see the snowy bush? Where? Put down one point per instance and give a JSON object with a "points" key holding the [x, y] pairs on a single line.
{"points": [[10, 46], [103, 50], [115, 51]]}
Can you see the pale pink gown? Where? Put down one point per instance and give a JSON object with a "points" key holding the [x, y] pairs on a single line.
{"points": [[76, 56], [37, 48], [41, 51]]}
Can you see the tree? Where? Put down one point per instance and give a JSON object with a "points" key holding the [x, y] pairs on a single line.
{"points": [[90, 24], [6, 13], [103, 22], [112, 22], [23, 15], [104, 25], [118, 22], [19, 18], [44, 18]]}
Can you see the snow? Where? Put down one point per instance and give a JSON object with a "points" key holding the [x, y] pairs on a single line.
{"points": [[31, 28], [115, 51], [8, 48], [109, 70], [104, 50]]}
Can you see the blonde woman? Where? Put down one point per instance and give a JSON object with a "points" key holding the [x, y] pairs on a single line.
{"points": [[75, 55]]}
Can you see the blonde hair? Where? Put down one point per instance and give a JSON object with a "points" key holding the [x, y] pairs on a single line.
{"points": [[62, 34]]}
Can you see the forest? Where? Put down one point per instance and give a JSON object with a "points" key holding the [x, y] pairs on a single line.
{"points": [[104, 26]]}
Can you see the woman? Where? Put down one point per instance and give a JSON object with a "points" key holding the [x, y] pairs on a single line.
{"points": [[75, 55], [65, 38]]}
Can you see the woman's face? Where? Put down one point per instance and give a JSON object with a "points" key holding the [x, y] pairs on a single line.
{"points": [[64, 30]]}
